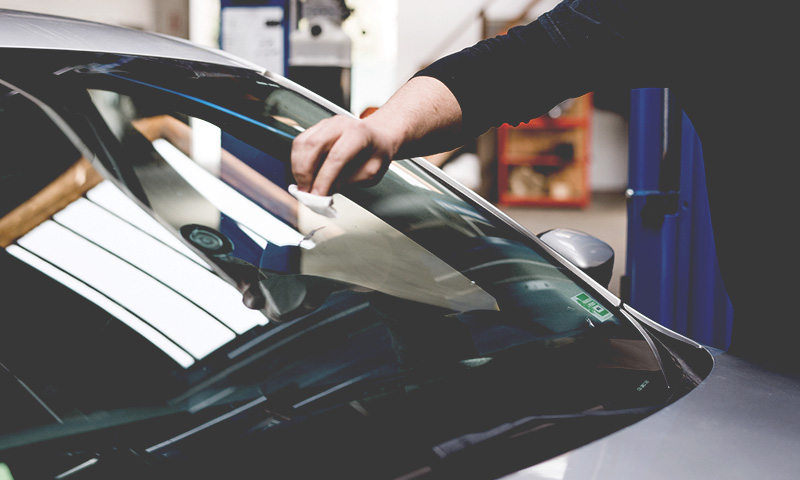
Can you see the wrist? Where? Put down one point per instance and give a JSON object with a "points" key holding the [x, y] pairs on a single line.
{"points": [[388, 129]]}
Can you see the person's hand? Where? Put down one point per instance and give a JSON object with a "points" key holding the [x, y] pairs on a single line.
{"points": [[422, 117], [341, 150]]}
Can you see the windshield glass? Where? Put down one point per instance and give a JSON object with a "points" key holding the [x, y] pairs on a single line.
{"points": [[201, 282]]}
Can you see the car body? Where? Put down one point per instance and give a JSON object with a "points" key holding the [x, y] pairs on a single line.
{"points": [[172, 308]]}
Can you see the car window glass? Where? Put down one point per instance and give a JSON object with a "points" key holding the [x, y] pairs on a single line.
{"points": [[227, 290], [27, 136], [55, 323], [268, 230]]}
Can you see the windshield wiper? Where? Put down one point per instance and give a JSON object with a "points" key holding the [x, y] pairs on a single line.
{"points": [[331, 390], [207, 424], [470, 440]]}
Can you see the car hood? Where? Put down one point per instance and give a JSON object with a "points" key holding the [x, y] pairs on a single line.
{"points": [[740, 423]]}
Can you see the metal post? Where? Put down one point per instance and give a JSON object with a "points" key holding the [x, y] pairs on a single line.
{"points": [[671, 268]]}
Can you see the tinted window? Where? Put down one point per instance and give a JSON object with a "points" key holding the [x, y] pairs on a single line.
{"points": [[186, 282]]}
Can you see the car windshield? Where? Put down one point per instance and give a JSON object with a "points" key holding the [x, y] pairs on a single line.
{"points": [[174, 270]]}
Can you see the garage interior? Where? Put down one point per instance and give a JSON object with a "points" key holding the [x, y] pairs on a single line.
{"points": [[573, 169]]}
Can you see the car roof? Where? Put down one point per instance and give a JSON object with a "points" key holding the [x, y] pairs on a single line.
{"points": [[27, 30]]}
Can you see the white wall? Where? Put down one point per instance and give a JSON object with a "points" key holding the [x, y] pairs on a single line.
{"points": [[204, 18], [429, 29], [609, 162], [373, 30]]}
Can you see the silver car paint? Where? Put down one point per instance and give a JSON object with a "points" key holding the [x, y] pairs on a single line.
{"points": [[36, 31], [741, 422]]}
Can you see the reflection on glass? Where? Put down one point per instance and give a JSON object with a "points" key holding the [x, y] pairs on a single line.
{"points": [[354, 250], [206, 288]]}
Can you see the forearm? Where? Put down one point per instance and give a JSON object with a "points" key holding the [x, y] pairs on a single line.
{"points": [[422, 118]]}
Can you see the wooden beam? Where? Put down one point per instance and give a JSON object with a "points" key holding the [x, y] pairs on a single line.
{"points": [[68, 187]]}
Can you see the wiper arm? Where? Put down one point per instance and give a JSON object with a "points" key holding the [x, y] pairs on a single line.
{"points": [[469, 440]]}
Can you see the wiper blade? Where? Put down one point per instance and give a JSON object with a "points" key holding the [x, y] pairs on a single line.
{"points": [[331, 390], [469, 440], [207, 425]]}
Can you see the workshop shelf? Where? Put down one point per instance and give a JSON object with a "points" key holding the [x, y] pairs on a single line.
{"points": [[545, 162]]}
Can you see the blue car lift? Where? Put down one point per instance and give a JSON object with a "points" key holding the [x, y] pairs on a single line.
{"points": [[671, 267]]}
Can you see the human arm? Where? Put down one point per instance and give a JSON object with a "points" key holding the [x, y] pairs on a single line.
{"points": [[422, 117]]}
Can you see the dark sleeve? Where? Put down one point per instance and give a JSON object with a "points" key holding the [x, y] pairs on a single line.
{"points": [[578, 47]]}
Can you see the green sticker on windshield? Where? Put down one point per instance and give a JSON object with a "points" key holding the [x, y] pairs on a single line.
{"points": [[592, 306]]}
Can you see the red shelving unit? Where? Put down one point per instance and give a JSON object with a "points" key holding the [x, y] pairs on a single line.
{"points": [[545, 162]]}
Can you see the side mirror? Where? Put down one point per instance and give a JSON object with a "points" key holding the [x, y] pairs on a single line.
{"points": [[592, 255]]}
